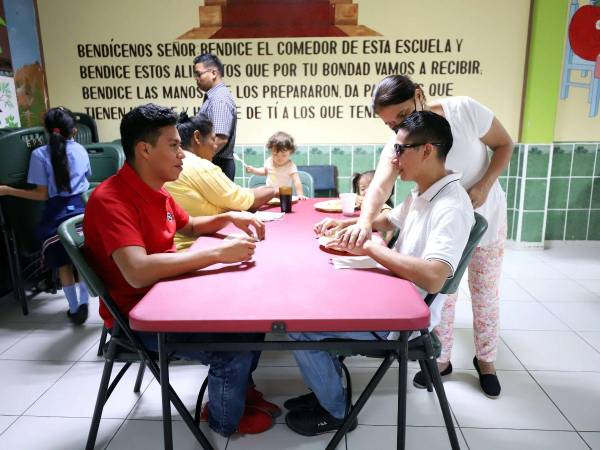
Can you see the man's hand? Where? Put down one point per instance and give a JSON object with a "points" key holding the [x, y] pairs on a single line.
{"points": [[302, 197], [478, 193], [329, 226], [359, 250], [354, 236], [3, 190], [236, 250], [245, 220]]}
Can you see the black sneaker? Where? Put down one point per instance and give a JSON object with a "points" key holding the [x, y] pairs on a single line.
{"points": [[489, 382], [80, 316], [304, 402], [420, 382], [315, 421]]}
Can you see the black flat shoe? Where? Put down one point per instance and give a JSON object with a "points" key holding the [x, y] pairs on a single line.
{"points": [[489, 382], [80, 316], [419, 379]]}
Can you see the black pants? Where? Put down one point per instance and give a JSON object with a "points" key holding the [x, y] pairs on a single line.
{"points": [[227, 165]]}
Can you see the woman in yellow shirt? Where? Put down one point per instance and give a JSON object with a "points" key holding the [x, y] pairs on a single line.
{"points": [[202, 188]]}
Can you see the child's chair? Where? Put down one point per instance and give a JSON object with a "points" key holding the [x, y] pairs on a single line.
{"points": [[305, 178]]}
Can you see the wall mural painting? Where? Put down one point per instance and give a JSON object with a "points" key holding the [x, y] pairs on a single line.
{"points": [[9, 113], [5, 61], [32, 98], [305, 66]]}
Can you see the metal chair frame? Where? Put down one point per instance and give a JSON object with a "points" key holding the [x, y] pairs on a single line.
{"points": [[425, 348]]}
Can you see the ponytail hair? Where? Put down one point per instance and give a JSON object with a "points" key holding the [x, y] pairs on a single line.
{"points": [[186, 126], [60, 123]]}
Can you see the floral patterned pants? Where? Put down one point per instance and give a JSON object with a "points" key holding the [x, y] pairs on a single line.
{"points": [[484, 279]]}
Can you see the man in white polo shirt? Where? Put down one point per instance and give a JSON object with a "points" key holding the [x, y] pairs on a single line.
{"points": [[434, 223]]}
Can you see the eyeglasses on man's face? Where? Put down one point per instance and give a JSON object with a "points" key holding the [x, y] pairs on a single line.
{"points": [[199, 73], [400, 148]]}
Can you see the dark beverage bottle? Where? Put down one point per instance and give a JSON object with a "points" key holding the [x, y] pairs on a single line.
{"points": [[285, 198]]}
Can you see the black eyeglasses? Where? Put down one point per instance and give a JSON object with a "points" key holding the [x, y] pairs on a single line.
{"points": [[399, 148], [199, 74]]}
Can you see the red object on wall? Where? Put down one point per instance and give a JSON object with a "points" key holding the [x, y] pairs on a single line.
{"points": [[267, 13], [584, 32], [277, 18]]}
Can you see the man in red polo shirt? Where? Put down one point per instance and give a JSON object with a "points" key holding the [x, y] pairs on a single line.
{"points": [[129, 224]]}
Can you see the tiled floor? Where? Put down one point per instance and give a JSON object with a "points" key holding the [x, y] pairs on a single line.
{"points": [[548, 364]]}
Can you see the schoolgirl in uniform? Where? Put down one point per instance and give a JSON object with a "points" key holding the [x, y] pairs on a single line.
{"points": [[59, 170]]}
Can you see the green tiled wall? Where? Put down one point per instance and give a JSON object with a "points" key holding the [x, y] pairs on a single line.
{"points": [[552, 190], [349, 159], [511, 183]]}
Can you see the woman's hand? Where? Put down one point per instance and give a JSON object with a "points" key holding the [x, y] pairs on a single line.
{"points": [[354, 236], [359, 200], [479, 193], [329, 226]]}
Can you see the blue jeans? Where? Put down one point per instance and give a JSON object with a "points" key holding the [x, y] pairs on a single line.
{"points": [[228, 375], [322, 371]]}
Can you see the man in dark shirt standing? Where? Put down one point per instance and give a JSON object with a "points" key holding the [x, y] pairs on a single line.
{"points": [[219, 106]]}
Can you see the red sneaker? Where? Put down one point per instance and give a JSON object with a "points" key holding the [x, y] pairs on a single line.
{"points": [[254, 420], [255, 399], [204, 413]]}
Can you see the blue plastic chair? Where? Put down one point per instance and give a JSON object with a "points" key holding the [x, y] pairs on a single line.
{"points": [[308, 184], [325, 179]]}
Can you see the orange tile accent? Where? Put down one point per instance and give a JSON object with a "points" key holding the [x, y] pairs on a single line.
{"points": [[358, 30], [211, 16], [346, 14], [199, 33]]}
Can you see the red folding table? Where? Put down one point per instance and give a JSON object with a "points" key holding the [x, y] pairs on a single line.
{"points": [[289, 286]]}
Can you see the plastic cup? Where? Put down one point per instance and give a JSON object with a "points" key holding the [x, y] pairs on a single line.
{"points": [[348, 203]]}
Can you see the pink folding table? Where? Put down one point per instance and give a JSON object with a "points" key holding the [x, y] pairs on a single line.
{"points": [[289, 286]]}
